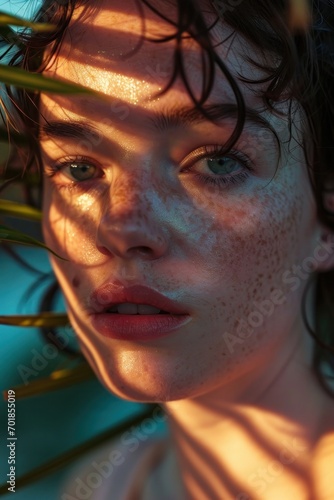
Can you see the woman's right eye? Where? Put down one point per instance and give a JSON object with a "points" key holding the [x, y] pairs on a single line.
{"points": [[78, 170]]}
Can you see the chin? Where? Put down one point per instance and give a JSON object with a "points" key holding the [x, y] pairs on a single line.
{"points": [[154, 391], [142, 387], [139, 373]]}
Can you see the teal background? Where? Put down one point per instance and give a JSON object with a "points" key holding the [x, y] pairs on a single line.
{"points": [[47, 425], [50, 424]]}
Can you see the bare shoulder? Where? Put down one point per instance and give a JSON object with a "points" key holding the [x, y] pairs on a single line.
{"points": [[117, 470], [323, 460]]}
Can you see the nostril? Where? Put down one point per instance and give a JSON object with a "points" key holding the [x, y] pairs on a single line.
{"points": [[103, 250], [143, 250]]}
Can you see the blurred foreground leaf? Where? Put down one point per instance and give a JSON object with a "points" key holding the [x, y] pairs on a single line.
{"points": [[9, 235], [67, 458], [38, 82], [59, 379], [9, 36], [14, 209], [299, 15], [45, 319], [6, 19]]}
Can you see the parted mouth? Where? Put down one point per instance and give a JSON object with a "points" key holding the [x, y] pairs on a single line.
{"points": [[136, 299], [131, 308]]}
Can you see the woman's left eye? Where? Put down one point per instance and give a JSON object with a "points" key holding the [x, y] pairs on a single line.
{"points": [[212, 167], [81, 171], [78, 170]]}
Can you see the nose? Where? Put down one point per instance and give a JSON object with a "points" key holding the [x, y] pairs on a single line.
{"points": [[130, 227]]}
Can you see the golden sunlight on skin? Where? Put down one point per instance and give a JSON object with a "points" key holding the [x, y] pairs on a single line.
{"points": [[256, 234], [274, 470], [323, 468], [222, 253]]}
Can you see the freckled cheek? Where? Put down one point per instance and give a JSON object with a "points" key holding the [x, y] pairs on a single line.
{"points": [[70, 234], [253, 247], [248, 259]]}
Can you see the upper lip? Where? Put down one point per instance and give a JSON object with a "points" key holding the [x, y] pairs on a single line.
{"points": [[110, 294]]}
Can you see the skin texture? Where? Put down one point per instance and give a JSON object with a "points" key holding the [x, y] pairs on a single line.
{"points": [[229, 377]]}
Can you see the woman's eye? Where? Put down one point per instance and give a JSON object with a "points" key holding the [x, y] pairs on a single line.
{"points": [[221, 166], [211, 168], [76, 170], [80, 171]]}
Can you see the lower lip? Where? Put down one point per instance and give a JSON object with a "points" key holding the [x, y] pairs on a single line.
{"points": [[138, 327]]}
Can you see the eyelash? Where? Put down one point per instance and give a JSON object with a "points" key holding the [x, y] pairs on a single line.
{"points": [[206, 152], [54, 169], [217, 151]]}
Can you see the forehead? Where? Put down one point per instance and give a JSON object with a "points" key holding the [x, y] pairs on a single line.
{"points": [[107, 51]]}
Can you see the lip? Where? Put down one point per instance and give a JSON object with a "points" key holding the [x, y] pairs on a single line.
{"points": [[135, 327], [110, 294]]}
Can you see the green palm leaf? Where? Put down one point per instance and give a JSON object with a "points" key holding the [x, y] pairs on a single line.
{"points": [[70, 455], [9, 235], [59, 379], [299, 15], [10, 36], [14, 209], [6, 19], [38, 82], [45, 319]]}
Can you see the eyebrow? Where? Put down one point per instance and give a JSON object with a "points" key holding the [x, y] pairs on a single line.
{"points": [[176, 117], [74, 129], [162, 121]]}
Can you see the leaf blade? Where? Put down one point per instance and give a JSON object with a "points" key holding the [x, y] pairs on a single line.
{"points": [[6, 19], [59, 379], [44, 319], [68, 456], [9, 235], [13, 209], [38, 82], [9, 36]]}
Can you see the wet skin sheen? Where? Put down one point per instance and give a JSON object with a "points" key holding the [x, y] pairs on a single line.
{"points": [[144, 216]]}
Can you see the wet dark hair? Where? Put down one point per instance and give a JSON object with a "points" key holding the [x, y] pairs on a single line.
{"points": [[297, 64]]}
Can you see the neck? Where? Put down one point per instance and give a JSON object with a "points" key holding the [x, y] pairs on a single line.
{"points": [[255, 442]]}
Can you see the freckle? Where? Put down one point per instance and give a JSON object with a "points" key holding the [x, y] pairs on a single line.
{"points": [[75, 282], [145, 368]]}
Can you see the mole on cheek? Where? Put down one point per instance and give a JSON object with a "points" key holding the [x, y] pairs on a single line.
{"points": [[75, 282]]}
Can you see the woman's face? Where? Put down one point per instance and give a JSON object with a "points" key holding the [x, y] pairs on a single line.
{"points": [[132, 196]]}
